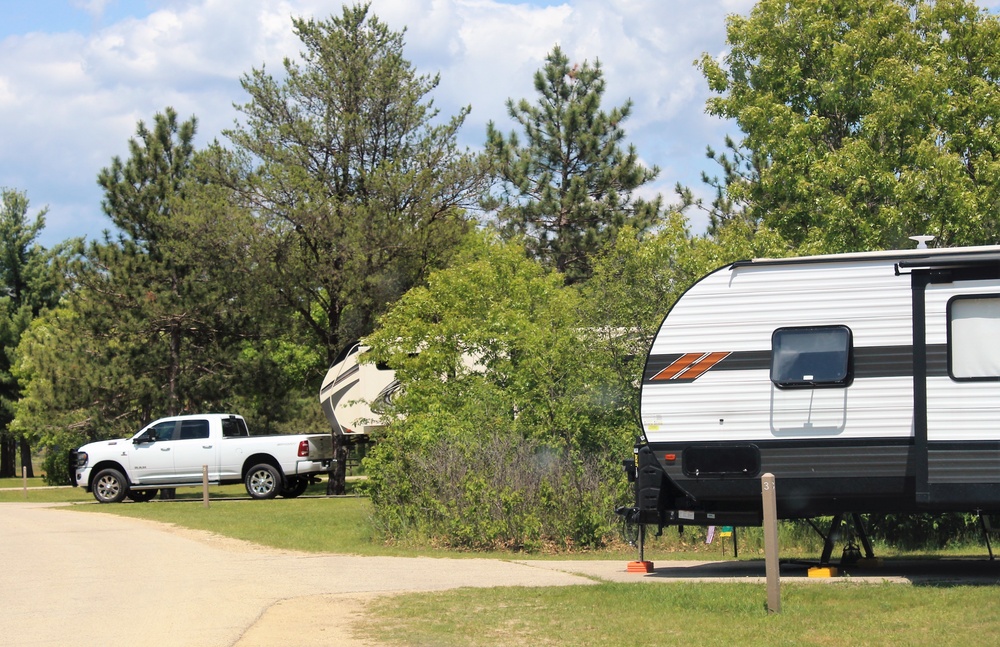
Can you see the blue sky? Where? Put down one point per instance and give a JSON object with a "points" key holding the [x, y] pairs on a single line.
{"points": [[77, 75]]}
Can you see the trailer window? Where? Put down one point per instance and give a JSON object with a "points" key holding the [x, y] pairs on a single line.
{"points": [[973, 330], [809, 357]]}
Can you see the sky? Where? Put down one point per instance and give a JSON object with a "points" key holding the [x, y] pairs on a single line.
{"points": [[76, 77]]}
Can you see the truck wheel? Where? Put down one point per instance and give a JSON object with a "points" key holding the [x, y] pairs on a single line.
{"points": [[110, 486], [294, 488], [263, 481], [141, 496]]}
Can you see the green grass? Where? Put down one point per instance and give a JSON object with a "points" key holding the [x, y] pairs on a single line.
{"points": [[18, 481], [38, 493], [316, 523], [330, 525], [687, 614]]}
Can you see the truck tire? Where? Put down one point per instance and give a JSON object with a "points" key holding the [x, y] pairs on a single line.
{"points": [[263, 481], [141, 496], [110, 486], [294, 487]]}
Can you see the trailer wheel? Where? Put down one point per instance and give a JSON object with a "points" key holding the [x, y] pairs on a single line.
{"points": [[110, 486], [294, 487], [263, 481], [141, 496]]}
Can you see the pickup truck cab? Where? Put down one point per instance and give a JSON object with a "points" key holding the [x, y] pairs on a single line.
{"points": [[172, 452]]}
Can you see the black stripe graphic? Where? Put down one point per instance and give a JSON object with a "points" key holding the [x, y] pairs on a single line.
{"points": [[874, 361]]}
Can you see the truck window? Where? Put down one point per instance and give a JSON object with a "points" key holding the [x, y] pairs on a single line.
{"points": [[234, 428], [973, 329], [191, 429], [810, 357], [164, 430]]}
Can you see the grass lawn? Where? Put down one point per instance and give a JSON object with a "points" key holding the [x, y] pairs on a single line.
{"points": [[687, 614]]}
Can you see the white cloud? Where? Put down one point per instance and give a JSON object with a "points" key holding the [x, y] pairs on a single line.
{"points": [[93, 7], [70, 101]]}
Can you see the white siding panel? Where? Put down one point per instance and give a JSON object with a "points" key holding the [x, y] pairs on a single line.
{"points": [[724, 407], [738, 310], [742, 307], [962, 410]]}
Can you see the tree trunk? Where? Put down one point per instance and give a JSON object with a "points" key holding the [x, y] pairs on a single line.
{"points": [[26, 457], [338, 471], [173, 399], [8, 455]]}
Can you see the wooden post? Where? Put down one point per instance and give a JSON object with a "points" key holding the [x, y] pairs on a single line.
{"points": [[771, 543], [204, 484]]}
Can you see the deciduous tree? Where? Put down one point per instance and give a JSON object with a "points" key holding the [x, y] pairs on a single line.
{"points": [[501, 434], [863, 122]]}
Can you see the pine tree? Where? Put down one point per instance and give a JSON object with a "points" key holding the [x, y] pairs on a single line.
{"points": [[569, 188], [28, 285], [356, 188]]}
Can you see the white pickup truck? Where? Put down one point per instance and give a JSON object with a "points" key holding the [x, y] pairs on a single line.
{"points": [[171, 452]]}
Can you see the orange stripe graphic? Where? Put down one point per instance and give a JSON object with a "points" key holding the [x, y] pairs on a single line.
{"points": [[690, 366], [680, 364], [701, 366]]}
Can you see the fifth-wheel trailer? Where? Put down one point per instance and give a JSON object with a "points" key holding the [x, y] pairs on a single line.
{"points": [[865, 383], [352, 392]]}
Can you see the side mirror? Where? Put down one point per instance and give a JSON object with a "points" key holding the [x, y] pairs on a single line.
{"points": [[148, 437]]}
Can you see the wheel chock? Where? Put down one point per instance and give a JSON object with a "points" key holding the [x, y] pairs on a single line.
{"points": [[640, 567]]}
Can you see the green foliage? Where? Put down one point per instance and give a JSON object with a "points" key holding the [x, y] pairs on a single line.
{"points": [[28, 285], [355, 188], [159, 321], [496, 372], [925, 531], [864, 122], [569, 188]]}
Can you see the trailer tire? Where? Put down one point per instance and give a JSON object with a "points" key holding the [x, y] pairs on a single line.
{"points": [[294, 487], [263, 481], [110, 486], [141, 496]]}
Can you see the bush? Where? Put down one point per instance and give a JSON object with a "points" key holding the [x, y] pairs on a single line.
{"points": [[56, 467], [498, 491]]}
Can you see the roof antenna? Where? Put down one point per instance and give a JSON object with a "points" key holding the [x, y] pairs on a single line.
{"points": [[922, 241]]}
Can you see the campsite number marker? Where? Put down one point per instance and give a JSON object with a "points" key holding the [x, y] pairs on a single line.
{"points": [[771, 543]]}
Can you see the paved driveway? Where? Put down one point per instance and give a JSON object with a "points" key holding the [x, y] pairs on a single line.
{"points": [[74, 578]]}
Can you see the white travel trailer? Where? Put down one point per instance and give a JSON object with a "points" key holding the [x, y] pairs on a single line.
{"points": [[351, 393], [865, 383]]}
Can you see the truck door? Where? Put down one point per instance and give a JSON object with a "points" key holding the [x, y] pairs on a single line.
{"points": [[194, 448], [152, 457]]}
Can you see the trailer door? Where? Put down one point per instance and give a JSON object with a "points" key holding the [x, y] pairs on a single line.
{"points": [[956, 382]]}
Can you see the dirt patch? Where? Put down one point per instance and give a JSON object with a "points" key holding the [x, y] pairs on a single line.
{"points": [[315, 621]]}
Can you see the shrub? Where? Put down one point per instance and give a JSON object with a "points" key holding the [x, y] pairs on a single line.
{"points": [[497, 491]]}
